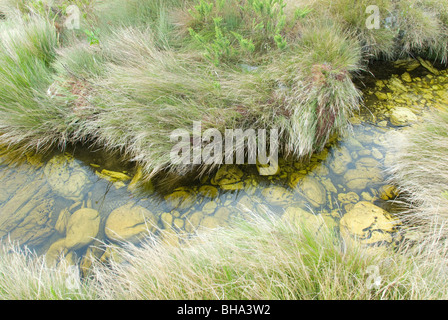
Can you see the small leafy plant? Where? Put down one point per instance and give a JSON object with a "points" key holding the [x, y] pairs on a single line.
{"points": [[92, 37]]}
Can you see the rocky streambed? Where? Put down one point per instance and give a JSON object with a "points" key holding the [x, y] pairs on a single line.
{"points": [[71, 203]]}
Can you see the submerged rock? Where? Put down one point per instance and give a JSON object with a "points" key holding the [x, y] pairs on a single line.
{"points": [[346, 198], [369, 224], [307, 220], [229, 177], [313, 191], [388, 192], [401, 116], [427, 65], [82, 228], [66, 176], [26, 216], [130, 223], [61, 223], [56, 250], [367, 172], [277, 195], [406, 77], [181, 198], [112, 176], [340, 159]]}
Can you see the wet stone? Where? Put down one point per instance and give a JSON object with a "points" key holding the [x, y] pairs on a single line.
{"points": [[131, 223], [66, 176], [82, 228], [368, 224]]}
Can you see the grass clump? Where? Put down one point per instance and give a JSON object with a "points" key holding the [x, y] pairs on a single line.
{"points": [[421, 171], [260, 258], [138, 70], [26, 276], [30, 119]]}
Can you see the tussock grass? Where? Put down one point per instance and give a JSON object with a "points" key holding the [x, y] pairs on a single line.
{"points": [[260, 258], [142, 69], [26, 276], [29, 118], [420, 170]]}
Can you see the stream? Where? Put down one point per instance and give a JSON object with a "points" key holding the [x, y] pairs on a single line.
{"points": [[71, 202]]}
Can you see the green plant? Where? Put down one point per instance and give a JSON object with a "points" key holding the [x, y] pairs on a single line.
{"points": [[301, 13], [220, 48], [92, 37]]}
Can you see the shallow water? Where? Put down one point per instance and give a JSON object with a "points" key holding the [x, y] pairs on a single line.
{"points": [[39, 196]]}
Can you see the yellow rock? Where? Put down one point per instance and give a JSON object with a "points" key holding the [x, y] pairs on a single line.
{"points": [[401, 116], [208, 191], [179, 223], [194, 221], [222, 214], [62, 221], [295, 178], [209, 207], [350, 197], [211, 222], [82, 228], [396, 85], [87, 260], [181, 198], [270, 169], [277, 195], [66, 176], [171, 238], [26, 217], [229, 177], [34, 159], [137, 179], [130, 223], [426, 64], [56, 251], [406, 77], [367, 172], [307, 220], [381, 95], [313, 190], [412, 65], [368, 224], [112, 254], [112, 176], [340, 159], [388, 192], [355, 120], [167, 219]]}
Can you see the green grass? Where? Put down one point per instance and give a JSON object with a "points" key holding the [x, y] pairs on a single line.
{"points": [[137, 71], [259, 258], [30, 118], [26, 276], [421, 171]]}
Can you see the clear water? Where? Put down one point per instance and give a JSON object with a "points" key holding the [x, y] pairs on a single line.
{"points": [[349, 170]]}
